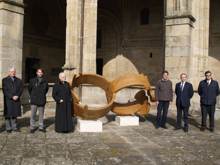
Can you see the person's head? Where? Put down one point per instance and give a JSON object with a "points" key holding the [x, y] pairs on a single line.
{"points": [[183, 77], [62, 76], [208, 75], [12, 72], [165, 75], [40, 72]]}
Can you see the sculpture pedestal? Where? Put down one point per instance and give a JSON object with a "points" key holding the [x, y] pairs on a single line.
{"points": [[127, 120], [89, 126]]}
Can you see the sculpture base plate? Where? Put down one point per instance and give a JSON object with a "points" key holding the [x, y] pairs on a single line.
{"points": [[89, 126], [127, 120]]}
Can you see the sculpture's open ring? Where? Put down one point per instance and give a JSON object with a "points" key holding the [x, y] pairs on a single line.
{"points": [[84, 111], [141, 105]]}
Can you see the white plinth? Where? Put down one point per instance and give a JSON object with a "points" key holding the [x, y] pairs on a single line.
{"points": [[127, 120], [89, 126]]}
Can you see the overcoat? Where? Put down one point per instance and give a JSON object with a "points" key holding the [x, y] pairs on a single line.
{"points": [[12, 87]]}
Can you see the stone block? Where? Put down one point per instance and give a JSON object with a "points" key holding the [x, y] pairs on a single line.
{"points": [[127, 120], [89, 126]]}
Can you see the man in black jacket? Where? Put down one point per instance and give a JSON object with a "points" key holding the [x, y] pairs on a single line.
{"points": [[208, 90], [38, 88], [12, 90], [184, 92]]}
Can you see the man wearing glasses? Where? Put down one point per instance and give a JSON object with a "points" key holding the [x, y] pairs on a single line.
{"points": [[208, 90]]}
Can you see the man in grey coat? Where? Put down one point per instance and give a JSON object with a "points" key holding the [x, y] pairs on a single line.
{"points": [[164, 95]]}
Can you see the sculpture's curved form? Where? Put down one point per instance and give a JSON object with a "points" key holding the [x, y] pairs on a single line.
{"points": [[140, 106], [84, 111]]}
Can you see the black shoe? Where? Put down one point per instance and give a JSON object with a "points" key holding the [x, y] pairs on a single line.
{"points": [[202, 129], [16, 130], [185, 129], [212, 130], [9, 131], [32, 130], [42, 130], [177, 128], [164, 127], [157, 127]]}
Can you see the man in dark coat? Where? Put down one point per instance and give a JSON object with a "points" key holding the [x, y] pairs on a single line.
{"points": [[38, 88], [62, 95], [184, 92], [208, 90], [12, 90], [164, 94]]}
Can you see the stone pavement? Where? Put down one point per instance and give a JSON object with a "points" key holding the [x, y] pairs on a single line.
{"points": [[141, 145]]}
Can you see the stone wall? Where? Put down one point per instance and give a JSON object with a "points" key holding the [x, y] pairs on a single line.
{"points": [[127, 46]]}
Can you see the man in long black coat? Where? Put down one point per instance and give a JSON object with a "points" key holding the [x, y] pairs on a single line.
{"points": [[12, 90], [62, 95], [208, 90], [184, 92], [38, 88]]}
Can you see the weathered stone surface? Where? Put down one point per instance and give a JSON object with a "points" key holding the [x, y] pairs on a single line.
{"points": [[115, 145]]}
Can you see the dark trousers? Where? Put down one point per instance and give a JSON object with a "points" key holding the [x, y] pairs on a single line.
{"points": [[162, 110], [208, 110], [182, 113]]}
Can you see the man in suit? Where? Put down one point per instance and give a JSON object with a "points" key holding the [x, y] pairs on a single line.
{"points": [[208, 90], [184, 92], [38, 88], [12, 90]]}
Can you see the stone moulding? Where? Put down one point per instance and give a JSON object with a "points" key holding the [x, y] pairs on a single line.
{"points": [[140, 106]]}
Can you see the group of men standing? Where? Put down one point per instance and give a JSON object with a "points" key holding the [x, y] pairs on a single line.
{"points": [[38, 88], [208, 91]]}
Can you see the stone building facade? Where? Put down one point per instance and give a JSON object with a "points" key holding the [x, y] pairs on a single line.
{"points": [[110, 37]]}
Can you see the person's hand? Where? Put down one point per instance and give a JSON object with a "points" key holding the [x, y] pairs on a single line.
{"points": [[157, 102], [15, 98], [61, 101]]}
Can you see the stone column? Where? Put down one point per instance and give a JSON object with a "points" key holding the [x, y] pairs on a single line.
{"points": [[89, 36], [11, 39], [11, 36], [74, 15], [81, 37], [186, 38], [179, 24]]}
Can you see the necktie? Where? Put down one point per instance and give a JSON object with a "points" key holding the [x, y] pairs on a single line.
{"points": [[182, 86]]}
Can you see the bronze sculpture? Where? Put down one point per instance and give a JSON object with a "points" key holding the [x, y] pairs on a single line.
{"points": [[140, 106]]}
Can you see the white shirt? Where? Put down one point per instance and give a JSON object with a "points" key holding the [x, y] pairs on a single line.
{"points": [[209, 81]]}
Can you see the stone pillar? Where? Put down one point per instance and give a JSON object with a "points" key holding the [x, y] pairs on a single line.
{"points": [[179, 24], [186, 38], [74, 15], [11, 39], [89, 35], [11, 36], [81, 37]]}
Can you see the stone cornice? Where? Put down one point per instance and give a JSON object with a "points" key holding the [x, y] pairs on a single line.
{"points": [[181, 16], [10, 2]]}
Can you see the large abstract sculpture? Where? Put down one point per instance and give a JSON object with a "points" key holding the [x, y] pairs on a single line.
{"points": [[140, 106]]}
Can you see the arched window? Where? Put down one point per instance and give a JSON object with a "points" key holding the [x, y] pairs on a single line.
{"points": [[144, 16]]}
